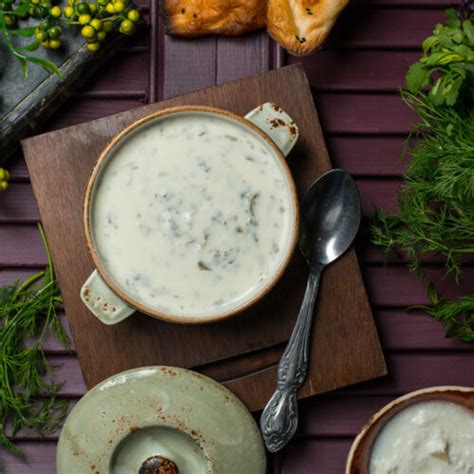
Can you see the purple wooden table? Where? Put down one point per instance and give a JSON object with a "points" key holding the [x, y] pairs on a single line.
{"points": [[355, 81]]}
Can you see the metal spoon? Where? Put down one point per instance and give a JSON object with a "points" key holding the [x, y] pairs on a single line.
{"points": [[330, 218]]}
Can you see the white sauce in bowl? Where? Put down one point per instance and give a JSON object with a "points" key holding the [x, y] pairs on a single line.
{"points": [[431, 437], [192, 214]]}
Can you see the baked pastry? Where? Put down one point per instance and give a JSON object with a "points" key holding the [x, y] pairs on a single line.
{"points": [[217, 17], [301, 26]]}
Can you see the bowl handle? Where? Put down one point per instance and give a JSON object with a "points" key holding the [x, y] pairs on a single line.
{"points": [[277, 124], [103, 302]]}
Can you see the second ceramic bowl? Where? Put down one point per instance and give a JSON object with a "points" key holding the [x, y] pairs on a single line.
{"points": [[359, 455]]}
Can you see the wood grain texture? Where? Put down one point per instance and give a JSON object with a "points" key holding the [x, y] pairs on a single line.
{"points": [[346, 70], [199, 56], [237, 59], [104, 351], [390, 28], [352, 113]]}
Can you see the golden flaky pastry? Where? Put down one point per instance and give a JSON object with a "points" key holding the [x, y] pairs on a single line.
{"points": [[301, 26], [219, 17]]}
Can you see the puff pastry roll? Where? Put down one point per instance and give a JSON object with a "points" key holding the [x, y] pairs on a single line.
{"points": [[301, 26], [216, 17]]}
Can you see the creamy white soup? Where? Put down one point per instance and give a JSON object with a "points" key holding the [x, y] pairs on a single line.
{"points": [[431, 437], [192, 214]]}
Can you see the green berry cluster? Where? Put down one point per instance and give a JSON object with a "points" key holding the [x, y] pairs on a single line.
{"points": [[100, 18], [95, 18], [4, 178]]}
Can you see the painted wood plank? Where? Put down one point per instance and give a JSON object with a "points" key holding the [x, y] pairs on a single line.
{"points": [[406, 3], [359, 155], [411, 371], [390, 286], [337, 415], [240, 57], [21, 246], [41, 459], [17, 167], [18, 205], [399, 330], [190, 65], [364, 113], [407, 371], [316, 456], [347, 70], [368, 156], [402, 330], [354, 113], [395, 286], [331, 415], [394, 28], [123, 73], [74, 112]]}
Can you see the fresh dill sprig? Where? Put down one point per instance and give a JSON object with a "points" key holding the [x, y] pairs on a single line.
{"points": [[457, 316], [28, 312], [436, 204]]}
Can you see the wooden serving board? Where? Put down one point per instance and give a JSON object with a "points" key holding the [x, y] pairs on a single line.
{"points": [[241, 352]]}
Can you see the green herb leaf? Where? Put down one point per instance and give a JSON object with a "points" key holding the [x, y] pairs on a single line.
{"points": [[432, 293], [24, 32], [32, 46], [47, 65], [23, 8], [417, 77], [468, 29]]}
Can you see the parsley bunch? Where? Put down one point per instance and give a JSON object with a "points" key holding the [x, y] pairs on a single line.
{"points": [[446, 67], [436, 205]]}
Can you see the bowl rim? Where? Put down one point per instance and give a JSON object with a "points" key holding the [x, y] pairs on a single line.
{"points": [[88, 201], [410, 397]]}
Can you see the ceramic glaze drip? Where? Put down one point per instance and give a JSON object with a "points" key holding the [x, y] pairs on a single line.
{"points": [[192, 214], [432, 437], [159, 441]]}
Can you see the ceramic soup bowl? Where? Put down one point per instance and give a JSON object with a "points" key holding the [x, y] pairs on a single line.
{"points": [[359, 455], [190, 214]]}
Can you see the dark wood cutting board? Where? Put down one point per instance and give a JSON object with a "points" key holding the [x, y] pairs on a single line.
{"points": [[241, 352]]}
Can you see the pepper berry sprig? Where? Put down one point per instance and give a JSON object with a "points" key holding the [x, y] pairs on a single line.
{"points": [[4, 178], [96, 20]]}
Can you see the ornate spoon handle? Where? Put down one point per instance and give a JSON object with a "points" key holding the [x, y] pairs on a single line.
{"points": [[280, 417]]}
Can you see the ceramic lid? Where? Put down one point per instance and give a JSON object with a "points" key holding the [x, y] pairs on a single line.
{"points": [[180, 414]]}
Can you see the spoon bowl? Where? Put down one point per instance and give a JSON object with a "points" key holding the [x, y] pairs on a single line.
{"points": [[330, 218]]}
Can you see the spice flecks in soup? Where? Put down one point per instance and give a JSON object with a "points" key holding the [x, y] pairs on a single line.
{"points": [[192, 214]]}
